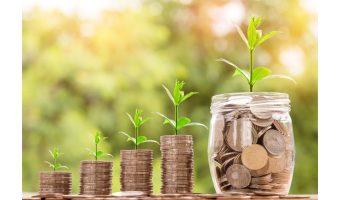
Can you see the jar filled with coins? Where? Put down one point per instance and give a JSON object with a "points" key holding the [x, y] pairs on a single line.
{"points": [[251, 144]]}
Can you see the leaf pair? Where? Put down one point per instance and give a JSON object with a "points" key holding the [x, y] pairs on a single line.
{"points": [[55, 153], [178, 94], [254, 36], [259, 73], [140, 139], [96, 141], [98, 153], [56, 166], [96, 138], [138, 120], [181, 122]]}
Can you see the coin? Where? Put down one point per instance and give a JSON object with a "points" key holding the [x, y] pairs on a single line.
{"points": [[279, 164], [281, 127], [275, 144], [295, 197], [265, 197], [260, 112], [238, 176], [264, 193], [254, 157], [263, 131], [239, 136], [262, 122]]}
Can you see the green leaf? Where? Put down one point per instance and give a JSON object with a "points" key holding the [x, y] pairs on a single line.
{"points": [[257, 22], [131, 119], [258, 35], [129, 137], [92, 138], [49, 164], [63, 167], [187, 96], [144, 120], [279, 76], [59, 154], [182, 122], [102, 139], [51, 153], [260, 73], [251, 35], [241, 34], [167, 91], [55, 153], [106, 154], [99, 153], [96, 137], [91, 152], [57, 166], [196, 124], [169, 120], [241, 71], [150, 141], [141, 139], [177, 92], [137, 119], [265, 37]]}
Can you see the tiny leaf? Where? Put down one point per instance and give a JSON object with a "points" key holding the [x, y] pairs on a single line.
{"points": [[99, 153], [141, 139], [55, 152], [102, 139], [59, 155], [257, 22], [92, 138], [279, 76], [51, 153], [144, 121], [150, 141], [129, 138], [49, 164], [137, 120], [91, 152], [241, 34], [63, 167], [106, 154], [260, 73], [182, 122], [188, 95], [131, 119], [57, 166], [243, 72], [265, 37], [167, 91], [196, 124], [169, 120], [96, 137], [251, 35], [258, 35]]}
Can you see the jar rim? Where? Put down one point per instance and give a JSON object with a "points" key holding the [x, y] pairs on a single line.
{"points": [[277, 95]]}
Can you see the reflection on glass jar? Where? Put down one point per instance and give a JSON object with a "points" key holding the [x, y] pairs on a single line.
{"points": [[251, 144]]}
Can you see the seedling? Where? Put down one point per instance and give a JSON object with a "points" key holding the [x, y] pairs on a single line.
{"points": [[96, 140], [177, 99], [254, 39], [137, 121], [55, 155]]}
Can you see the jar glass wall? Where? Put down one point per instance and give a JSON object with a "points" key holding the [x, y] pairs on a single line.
{"points": [[251, 144]]}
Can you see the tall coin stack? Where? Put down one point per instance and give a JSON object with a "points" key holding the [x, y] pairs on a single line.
{"points": [[177, 164], [55, 182], [136, 170], [95, 178]]}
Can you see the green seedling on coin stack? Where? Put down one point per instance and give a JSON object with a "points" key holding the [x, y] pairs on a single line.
{"points": [[255, 38], [96, 140], [137, 121], [178, 98], [55, 155]]}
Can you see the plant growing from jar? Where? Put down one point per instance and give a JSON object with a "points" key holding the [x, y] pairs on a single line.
{"points": [[177, 98], [55, 155], [138, 121], [96, 141], [255, 38]]}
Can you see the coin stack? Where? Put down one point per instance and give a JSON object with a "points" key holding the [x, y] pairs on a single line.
{"points": [[177, 164], [252, 143], [95, 178], [55, 182], [136, 170]]}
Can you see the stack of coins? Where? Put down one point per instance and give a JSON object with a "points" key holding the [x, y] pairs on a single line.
{"points": [[55, 182], [95, 178], [136, 170], [253, 141], [177, 164]]}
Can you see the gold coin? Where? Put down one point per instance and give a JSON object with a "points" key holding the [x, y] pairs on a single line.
{"points": [[254, 157]]}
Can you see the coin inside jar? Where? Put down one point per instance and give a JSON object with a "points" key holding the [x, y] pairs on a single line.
{"points": [[254, 157], [238, 176], [239, 135], [275, 143]]}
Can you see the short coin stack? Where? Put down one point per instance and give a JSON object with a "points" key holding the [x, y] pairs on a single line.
{"points": [[136, 170], [55, 182], [95, 178], [177, 164]]}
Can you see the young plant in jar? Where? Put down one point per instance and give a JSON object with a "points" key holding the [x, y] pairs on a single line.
{"points": [[251, 143]]}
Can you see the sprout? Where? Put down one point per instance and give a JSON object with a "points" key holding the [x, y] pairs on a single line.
{"points": [[96, 140], [55, 155]]}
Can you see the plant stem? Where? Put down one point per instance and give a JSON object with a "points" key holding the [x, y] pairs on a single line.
{"points": [[54, 164], [136, 136], [251, 71], [176, 117], [96, 152]]}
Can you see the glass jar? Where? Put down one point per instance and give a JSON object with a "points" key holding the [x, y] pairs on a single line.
{"points": [[251, 144]]}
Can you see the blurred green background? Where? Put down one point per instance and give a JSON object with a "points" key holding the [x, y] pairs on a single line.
{"points": [[82, 73]]}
